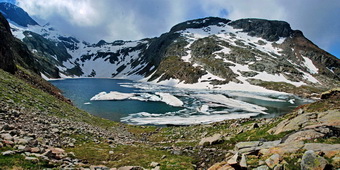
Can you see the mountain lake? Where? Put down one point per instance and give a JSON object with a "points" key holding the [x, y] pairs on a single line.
{"points": [[149, 104]]}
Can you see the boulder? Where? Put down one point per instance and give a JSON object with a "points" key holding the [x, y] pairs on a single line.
{"points": [[329, 150], [32, 159], [243, 162], [131, 168], [8, 127], [6, 153], [285, 148], [233, 160], [22, 141], [221, 166], [255, 146], [216, 138], [304, 135], [35, 150], [6, 136], [311, 161], [99, 167], [263, 167], [327, 118], [279, 167], [55, 153], [273, 160], [154, 164]]}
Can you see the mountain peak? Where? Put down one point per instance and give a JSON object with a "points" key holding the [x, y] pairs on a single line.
{"points": [[16, 14], [270, 30], [199, 23]]}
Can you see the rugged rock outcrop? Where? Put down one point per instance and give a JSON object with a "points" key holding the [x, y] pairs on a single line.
{"points": [[6, 55], [219, 52], [268, 30], [16, 14]]}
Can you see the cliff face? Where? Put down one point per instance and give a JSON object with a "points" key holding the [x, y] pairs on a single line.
{"points": [[17, 59], [6, 55]]}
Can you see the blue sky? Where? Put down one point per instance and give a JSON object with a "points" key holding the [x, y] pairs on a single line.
{"points": [[135, 19]]}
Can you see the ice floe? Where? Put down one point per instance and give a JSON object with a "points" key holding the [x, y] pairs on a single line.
{"points": [[231, 103], [162, 97], [159, 119]]}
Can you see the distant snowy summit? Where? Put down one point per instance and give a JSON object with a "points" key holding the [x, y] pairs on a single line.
{"points": [[207, 53], [16, 15]]}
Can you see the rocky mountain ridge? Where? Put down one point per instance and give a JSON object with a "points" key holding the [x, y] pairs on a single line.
{"points": [[204, 53], [38, 131]]}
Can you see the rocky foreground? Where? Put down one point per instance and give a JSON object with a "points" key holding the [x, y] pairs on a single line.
{"points": [[39, 132]]}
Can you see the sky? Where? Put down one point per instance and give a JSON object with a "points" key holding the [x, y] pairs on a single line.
{"points": [[93, 20]]}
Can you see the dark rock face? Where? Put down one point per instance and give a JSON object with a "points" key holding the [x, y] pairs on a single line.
{"points": [[266, 29], [199, 23], [328, 64], [45, 46], [12, 51], [6, 55], [16, 15], [331, 94], [174, 67]]}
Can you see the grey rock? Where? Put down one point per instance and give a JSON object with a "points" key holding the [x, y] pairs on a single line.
{"points": [[21, 147], [253, 146], [8, 153], [233, 160], [216, 138], [328, 149], [263, 167], [327, 118], [243, 162], [55, 130], [283, 148], [32, 159], [279, 167], [6, 136], [71, 145], [304, 135], [22, 141], [99, 167], [131, 168], [154, 164], [273, 160], [156, 168], [311, 161], [8, 127]]}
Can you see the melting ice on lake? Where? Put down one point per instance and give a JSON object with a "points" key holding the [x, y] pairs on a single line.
{"points": [[200, 106]]}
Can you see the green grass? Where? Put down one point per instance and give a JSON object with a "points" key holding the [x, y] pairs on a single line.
{"points": [[127, 155], [18, 162], [35, 100]]}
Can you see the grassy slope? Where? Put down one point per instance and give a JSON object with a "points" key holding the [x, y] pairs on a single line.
{"points": [[19, 94]]}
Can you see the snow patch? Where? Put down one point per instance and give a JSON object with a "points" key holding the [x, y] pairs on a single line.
{"points": [[311, 67]]}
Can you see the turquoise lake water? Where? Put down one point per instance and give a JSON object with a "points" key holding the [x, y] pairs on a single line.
{"points": [[81, 90]]}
